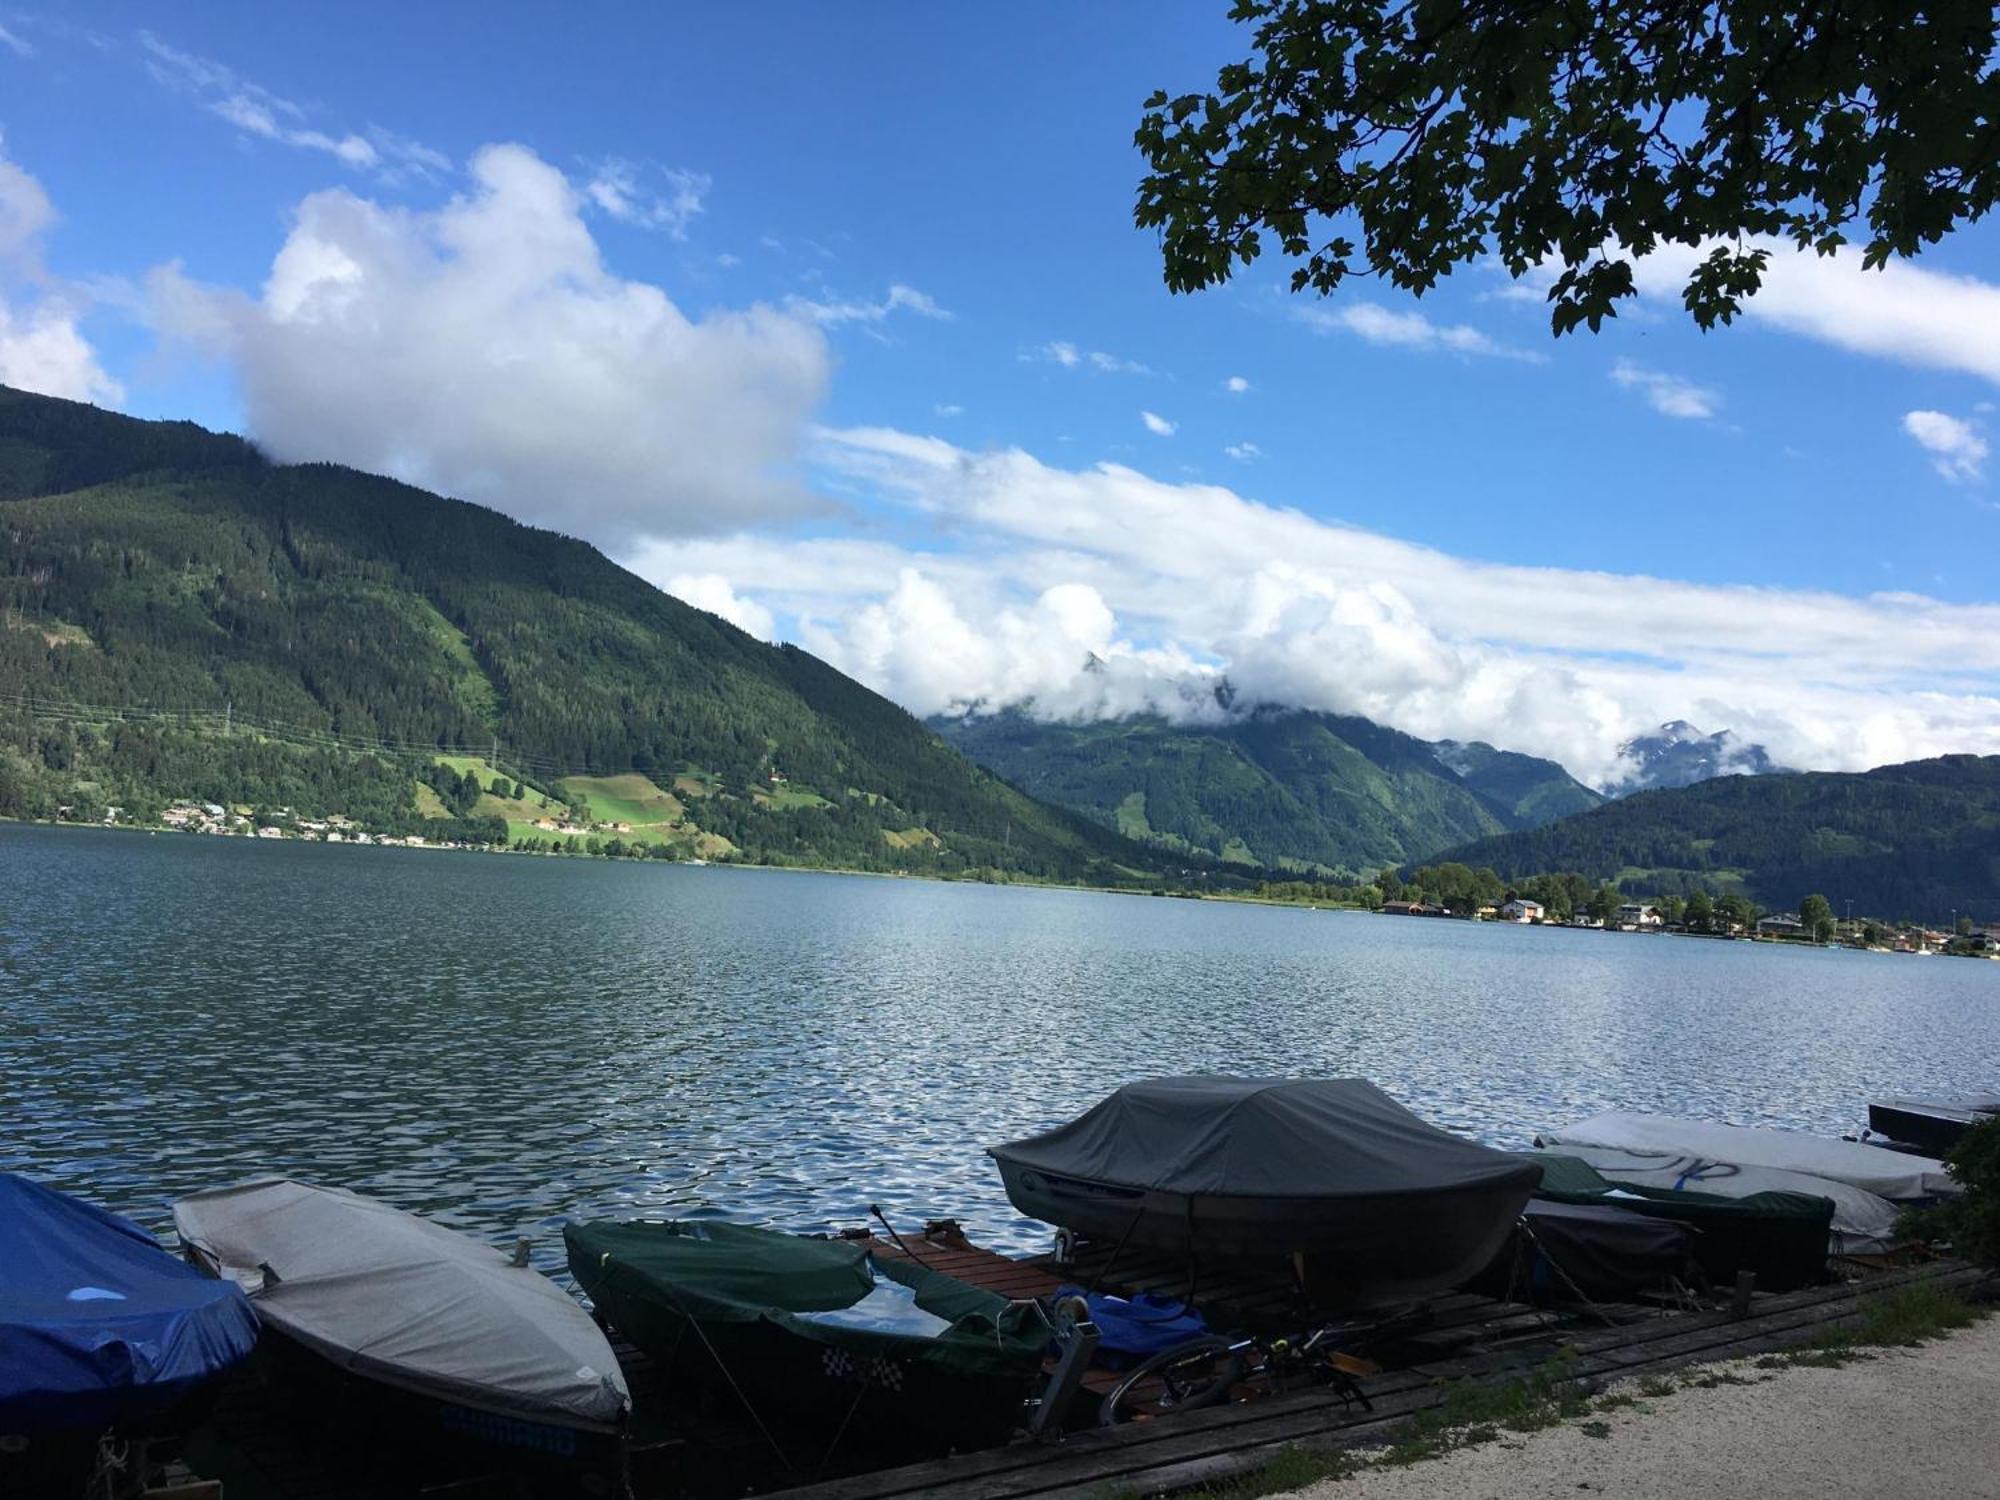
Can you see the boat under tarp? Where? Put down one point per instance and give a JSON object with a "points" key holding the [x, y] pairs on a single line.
{"points": [[395, 1299], [99, 1326], [817, 1331], [1886, 1174], [1782, 1237], [1861, 1224], [1559, 1251], [1933, 1126], [1378, 1204]]}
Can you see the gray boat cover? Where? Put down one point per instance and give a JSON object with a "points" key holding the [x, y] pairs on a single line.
{"points": [[1263, 1138], [399, 1299], [1863, 1223], [1887, 1174]]}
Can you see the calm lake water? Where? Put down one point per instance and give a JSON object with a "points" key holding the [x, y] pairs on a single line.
{"points": [[508, 1042]]}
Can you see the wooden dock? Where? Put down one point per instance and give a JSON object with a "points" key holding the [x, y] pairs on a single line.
{"points": [[1488, 1340]]}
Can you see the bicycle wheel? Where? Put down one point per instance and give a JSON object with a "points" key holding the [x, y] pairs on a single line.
{"points": [[1184, 1378]]}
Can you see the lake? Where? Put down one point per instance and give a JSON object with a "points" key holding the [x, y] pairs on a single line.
{"points": [[506, 1042]]}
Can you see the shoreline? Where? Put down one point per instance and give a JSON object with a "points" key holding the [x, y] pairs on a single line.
{"points": [[1002, 878]]}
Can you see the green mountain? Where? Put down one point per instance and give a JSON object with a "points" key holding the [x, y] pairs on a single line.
{"points": [[1915, 840], [182, 620], [1293, 790], [1532, 790]]}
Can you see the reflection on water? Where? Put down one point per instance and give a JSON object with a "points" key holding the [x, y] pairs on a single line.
{"points": [[509, 1042]]}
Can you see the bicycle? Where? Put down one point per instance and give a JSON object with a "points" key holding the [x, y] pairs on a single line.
{"points": [[1207, 1370]]}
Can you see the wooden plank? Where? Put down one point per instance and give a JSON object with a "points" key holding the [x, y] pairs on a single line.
{"points": [[1002, 1460], [1162, 1466], [1199, 1438], [1199, 1457]]}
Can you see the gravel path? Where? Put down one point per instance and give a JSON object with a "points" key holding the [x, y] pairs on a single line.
{"points": [[1907, 1424]]}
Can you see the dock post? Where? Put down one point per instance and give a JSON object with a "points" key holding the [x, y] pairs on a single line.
{"points": [[1078, 1338], [1739, 1303]]}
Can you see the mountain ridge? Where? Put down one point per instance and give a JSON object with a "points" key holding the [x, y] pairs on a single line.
{"points": [[1292, 789], [1920, 839], [155, 563]]}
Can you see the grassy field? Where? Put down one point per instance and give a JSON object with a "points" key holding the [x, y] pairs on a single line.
{"points": [[519, 812], [785, 796], [657, 816], [630, 798]]}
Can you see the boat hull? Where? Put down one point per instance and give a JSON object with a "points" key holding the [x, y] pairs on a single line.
{"points": [[1355, 1250], [1932, 1126]]}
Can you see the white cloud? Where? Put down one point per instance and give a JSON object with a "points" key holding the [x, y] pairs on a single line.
{"points": [[949, 409], [1669, 395], [1158, 425], [898, 299], [620, 189], [15, 44], [1957, 450], [1236, 385], [1070, 357], [1405, 330], [42, 349], [1244, 453], [711, 591], [1192, 582], [257, 111], [1902, 312], [483, 349], [25, 213], [42, 345]]}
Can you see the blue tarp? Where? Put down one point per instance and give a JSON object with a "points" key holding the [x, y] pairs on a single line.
{"points": [[1133, 1329], [98, 1324]]}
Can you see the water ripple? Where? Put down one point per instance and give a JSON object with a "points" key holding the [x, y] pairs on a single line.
{"points": [[508, 1043]]}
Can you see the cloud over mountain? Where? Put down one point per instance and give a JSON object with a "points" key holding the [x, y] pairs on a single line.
{"points": [[42, 344], [1103, 590], [483, 349]]}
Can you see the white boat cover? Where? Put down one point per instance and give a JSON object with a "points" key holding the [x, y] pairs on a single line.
{"points": [[399, 1299], [1887, 1174], [1863, 1224]]}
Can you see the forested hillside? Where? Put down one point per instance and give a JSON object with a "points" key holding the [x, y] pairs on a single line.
{"points": [[156, 566], [1310, 792], [1917, 840]]}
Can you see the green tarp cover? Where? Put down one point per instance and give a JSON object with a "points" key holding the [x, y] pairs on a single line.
{"points": [[731, 1275], [1780, 1236]]}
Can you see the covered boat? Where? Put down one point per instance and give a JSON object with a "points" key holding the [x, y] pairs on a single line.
{"points": [[1380, 1205], [99, 1326], [398, 1300], [1600, 1250], [818, 1330], [1861, 1222], [1886, 1174], [1932, 1126], [1782, 1237]]}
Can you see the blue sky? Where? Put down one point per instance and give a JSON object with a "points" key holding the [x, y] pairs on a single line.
{"points": [[896, 325]]}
